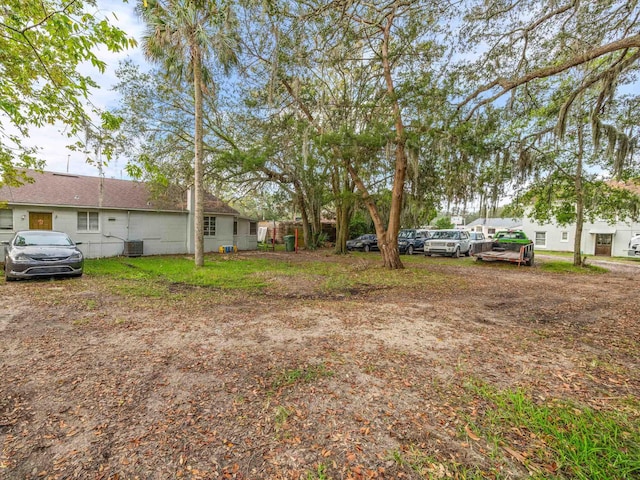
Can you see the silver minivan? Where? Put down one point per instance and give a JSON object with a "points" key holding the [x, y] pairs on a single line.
{"points": [[452, 243]]}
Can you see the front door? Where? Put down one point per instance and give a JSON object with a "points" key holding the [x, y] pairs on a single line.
{"points": [[40, 221], [603, 244]]}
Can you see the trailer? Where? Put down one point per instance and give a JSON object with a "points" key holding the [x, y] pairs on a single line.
{"points": [[520, 253]]}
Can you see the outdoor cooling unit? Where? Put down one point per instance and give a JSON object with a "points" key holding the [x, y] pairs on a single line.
{"points": [[133, 248]]}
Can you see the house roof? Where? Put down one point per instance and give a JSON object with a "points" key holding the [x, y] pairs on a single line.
{"points": [[631, 186], [66, 190], [496, 222]]}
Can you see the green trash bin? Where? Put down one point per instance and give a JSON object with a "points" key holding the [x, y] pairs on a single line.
{"points": [[289, 243]]}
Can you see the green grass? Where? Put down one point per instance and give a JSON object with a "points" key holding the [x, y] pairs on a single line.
{"points": [[159, 275], [429, 466], [561, 266], [305, 374], [218, 271], [559, 439]]}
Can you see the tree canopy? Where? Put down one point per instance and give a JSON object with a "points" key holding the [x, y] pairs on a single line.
{"points": [[404, 108], [44, 44]]}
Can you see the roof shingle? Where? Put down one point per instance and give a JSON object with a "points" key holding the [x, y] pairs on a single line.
{"points": [[62, 189]]}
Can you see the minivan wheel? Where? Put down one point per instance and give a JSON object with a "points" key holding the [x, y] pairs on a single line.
{"points": [[410, 250]]}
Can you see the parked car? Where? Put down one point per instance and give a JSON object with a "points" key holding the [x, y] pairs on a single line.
{"points": [[448, 242], [364, 243], [634, 245], [412, 240], [474, 239], [41, 253]]}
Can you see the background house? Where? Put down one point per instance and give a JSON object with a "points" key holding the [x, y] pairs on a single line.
{"points": [[599, 238], [489, 226], [115, 217]]}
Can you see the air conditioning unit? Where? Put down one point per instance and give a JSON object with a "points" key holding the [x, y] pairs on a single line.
{"points": [[133, 248]]}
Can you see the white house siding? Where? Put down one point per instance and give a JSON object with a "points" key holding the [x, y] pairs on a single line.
{"points": [[244, 240], [224, 233], [621, 231], [161, 232]]}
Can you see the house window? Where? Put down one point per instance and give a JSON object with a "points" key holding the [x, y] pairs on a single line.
{"points": [[253, 228], [209, 226], [88, 222], [541, 239], [491, 231], [6, 219], [235, 227], [564, 236]]}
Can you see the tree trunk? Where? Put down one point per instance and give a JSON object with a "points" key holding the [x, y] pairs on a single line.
{"points": [[390, 253], [577, 243], [199, 159], [343, 194], [342, 228]]}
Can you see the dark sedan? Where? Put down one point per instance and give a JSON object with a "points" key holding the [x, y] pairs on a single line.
{"points": [[41, 253], [364, 243]]}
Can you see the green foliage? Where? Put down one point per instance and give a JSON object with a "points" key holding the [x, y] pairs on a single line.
{"points": [[57, 36], [443, 223], [360, 224], [552, 200]]}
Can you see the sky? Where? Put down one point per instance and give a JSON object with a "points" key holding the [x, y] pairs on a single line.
{"points": [[52, 141]]}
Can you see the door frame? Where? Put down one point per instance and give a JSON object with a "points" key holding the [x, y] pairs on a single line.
{"points": [[603, 249]]}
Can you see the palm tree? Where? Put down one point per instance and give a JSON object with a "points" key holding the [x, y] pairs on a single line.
{"points": [[182, 36]]}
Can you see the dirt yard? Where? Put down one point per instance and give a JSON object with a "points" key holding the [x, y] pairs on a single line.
{"points": [[294, 383]]}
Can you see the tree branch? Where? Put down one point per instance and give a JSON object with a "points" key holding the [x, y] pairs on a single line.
{"points": [[545, 72]]}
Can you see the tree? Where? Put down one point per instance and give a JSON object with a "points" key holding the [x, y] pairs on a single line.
{"points": [[182, 35], [56, 36], [378, 45], [443, 223], [565, 66]]}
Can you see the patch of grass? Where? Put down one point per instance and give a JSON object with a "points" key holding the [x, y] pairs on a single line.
{"points": [[161, 276], [559, 439], [281, 416], [305, 374], [219, 271], [561, 266], [320, 473], [429, 467], [81, 321]]}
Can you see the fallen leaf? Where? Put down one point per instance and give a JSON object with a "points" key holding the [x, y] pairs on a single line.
{"points": [[470, 434]]}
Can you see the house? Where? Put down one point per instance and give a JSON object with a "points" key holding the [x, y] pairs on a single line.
{"points": [[599, 238], [489, 226], [114, 217]]}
